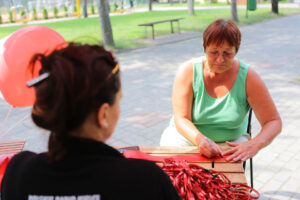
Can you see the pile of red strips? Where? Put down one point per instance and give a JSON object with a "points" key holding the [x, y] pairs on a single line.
{"points": [[194, 182]]}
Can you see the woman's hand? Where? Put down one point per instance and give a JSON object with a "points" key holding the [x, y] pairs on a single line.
{"points": [[241, 151], [209, 148]]}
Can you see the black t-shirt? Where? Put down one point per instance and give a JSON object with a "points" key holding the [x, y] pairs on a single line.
{"points": [[90, 171]]}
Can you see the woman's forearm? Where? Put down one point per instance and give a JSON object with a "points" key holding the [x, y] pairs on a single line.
{"points": [[268, 132], [186, 128]]}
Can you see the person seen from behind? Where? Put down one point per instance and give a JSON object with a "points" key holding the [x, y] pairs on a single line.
{"points": [[78, 94]]}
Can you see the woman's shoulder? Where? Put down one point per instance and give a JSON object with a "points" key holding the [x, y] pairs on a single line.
{"points": [[23, 156], [21, 159], [138, 167], [243, 65], [187, 68], [134, 164]]}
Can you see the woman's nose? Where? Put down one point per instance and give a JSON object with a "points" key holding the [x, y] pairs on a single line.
{"points": [[220, 57]]}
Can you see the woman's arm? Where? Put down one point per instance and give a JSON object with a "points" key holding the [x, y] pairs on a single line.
{"points": [[182, 99], [264, 108]]}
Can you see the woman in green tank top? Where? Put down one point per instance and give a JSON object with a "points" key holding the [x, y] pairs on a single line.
{"points": [[212, 96]]}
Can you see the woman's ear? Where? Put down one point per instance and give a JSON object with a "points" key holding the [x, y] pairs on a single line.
{"points": [[102, 116]]}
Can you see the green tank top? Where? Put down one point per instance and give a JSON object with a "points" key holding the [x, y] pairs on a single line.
{"points": [[220, 119]]}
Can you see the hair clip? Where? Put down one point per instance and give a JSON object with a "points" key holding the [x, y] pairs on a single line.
{"points": [[115, 69], [38, 79]]}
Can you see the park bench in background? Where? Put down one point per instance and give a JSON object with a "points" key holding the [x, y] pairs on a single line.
{"points": [[11, 147], [162, 21]]}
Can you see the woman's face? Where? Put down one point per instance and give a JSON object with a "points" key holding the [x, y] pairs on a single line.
{"points": [[220, 58]]}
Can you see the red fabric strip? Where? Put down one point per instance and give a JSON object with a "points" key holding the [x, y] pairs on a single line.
{"points": [[188, 158]]}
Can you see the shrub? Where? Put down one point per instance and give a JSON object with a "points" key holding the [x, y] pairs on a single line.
{"points": [[0, 19], [45, 13], [115, 6], [11, 18], [66, 10], [74, 9], [92, 9], [55, 12], [34, 15], [211, 1], [22, 13]]}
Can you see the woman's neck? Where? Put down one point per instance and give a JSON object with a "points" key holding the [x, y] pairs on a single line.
{"points": [[90, 130], [214, 76]]}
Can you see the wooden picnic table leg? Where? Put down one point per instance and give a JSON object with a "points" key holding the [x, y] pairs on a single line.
{"points": [[171, 26], [152, 31], [178, 26], [146, 31]]}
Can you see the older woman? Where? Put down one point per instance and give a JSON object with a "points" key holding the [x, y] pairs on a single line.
{"points": [[212, 96], [78, 97]]}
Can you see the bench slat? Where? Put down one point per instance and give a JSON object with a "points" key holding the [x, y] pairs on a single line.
{"points": [[162, 21], [9, 147]]}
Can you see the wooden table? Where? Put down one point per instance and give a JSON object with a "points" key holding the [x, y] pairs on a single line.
{"points": [[234, 171]]}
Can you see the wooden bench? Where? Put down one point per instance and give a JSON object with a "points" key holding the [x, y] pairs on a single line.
{"points": [[11, 147], [162, 21]]}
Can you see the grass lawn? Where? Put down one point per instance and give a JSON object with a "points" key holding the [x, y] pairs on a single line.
{"points": [[127, 33]]}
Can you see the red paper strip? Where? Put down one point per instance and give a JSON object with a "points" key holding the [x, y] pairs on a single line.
{"points": [[188, 158]]}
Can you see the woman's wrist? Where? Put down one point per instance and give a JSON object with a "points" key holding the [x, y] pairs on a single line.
{"points": [[199, 138], [259, 143]]}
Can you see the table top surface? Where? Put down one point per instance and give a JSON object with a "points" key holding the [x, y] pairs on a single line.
{"points": [[234, 171]]}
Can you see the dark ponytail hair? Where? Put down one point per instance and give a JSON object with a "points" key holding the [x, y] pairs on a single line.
{"points": [[81, 79]]}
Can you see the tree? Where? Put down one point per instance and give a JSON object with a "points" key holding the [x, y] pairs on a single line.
{"points": [[234, 11], [85, 13], [191, 7], [275, 6], [106, 30], [150, 4]]}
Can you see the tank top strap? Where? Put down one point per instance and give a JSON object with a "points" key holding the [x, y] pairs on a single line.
{"points": [[240, 83], [197, 74]]}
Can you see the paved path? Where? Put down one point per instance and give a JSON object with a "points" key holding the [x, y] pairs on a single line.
{"points": [[271, 47]]}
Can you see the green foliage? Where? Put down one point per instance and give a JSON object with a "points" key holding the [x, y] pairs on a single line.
{"points": [[0, 19], [34, 15], [11, 18], [115, 6], [22, 13], [45, 13], [66, 10], [211, 1], [74, 9], [55, 12], [122, 4], [92, 9]]}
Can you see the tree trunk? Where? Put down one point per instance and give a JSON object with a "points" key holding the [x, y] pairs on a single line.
{"points": [[234, 11], [150, 4], [85, 13], [11, 3], [275, 6], [191, 7], [107, 36]]}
